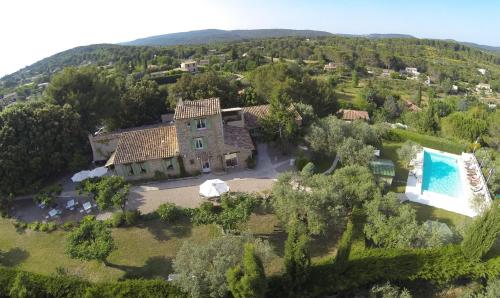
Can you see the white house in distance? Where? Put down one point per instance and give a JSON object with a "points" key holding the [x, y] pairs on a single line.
{"points": [[189, 66], [482, 71], [413, 71], [331, 66], [483, 87]]}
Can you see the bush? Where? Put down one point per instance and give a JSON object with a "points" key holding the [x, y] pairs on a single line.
{"points": [[205, 214], [301, 161], [168, 212], [68, 226], [251, 162], [117, 219], [309, 169], [132, 217], [14, 283]]}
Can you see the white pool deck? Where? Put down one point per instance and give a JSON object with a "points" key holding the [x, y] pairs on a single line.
{"points": [[459, 204]]}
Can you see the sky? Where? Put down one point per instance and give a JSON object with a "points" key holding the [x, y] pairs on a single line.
{"points": [[34, 29]]}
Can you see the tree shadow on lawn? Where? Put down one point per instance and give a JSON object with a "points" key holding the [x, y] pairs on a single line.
{"points": [[13, 257], [154, 267], [161, 231]]}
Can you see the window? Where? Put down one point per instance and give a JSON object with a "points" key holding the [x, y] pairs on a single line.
{"points": [[169, 164], [231, 160], [191, 161], [143, 168], [201, 123], [198, 143]]}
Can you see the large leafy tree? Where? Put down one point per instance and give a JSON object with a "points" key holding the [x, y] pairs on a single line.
{"points": [[37, 141], [353, 185], [247, 279], [92, 240], [392, 224], [91, 94], [141, 103], [354, 152], [205, 85], [201, 269], [408, 152], [109, 191], [280, 122], [308, 199]]}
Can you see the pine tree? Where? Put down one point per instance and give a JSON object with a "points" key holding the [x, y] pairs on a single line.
{"points": [[247, 279], [355, 78]]}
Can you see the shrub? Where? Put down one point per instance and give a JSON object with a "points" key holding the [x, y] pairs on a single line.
{"points": [[35, 226], [482, 234], [168, 212], [68, 226], [132, 217], [205, 214], [309, 169], [117, 219], [301, 161], [251, 162]]}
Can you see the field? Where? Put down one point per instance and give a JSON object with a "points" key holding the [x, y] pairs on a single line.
{"points": [[146, 250]]}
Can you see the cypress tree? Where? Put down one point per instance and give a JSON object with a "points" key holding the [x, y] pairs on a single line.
{"points": [[482, 234], [247, 279], [297, 259]]}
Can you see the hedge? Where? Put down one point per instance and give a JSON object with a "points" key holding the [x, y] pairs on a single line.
{"points": [[429, 141], [67, 286]]}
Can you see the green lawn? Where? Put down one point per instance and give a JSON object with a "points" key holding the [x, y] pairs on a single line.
{"points": [[433, 142], [146, 250]]}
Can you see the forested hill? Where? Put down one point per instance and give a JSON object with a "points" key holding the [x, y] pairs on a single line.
{"points": [[377, 52], [215, 35]]}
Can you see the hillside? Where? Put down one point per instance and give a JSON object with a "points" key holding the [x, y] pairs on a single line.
{"points": [[216, 35]]}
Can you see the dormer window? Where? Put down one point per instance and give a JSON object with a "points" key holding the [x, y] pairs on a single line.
{"points": [[201, 123]]}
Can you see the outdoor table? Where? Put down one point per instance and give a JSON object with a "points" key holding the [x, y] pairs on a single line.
{"points": [[87, 206], [53, 212], [70, 204]]}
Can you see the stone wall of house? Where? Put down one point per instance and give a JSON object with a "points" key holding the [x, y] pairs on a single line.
{"points": [[170, 168], [242, 155], [103, 146], [213, 143]]}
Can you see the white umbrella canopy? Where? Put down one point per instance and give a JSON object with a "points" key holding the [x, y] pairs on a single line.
{"points": [[98, 172], [213, 188], [80, 176]]}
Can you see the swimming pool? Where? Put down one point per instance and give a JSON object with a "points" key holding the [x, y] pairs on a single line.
{"points": [[441, 174]]}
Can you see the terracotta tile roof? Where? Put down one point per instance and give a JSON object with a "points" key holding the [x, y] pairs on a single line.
{"points": [[147, 144], [238, 137], [197, 108], [351, 115], [254, 113]]}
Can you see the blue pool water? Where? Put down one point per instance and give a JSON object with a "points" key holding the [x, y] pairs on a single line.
{"points": [[441, 174]]}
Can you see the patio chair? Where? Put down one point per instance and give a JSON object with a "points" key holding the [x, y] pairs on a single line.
{"points": [[81, 210]]}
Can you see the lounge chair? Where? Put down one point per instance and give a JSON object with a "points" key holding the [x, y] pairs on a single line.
{"points": [[477, 189]]}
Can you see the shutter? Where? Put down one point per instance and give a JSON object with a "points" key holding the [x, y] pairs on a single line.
{"points": [[193, 145], [146, 167], [193, 125], [136, 169], [174, 163], [205, 143], [207, 123]]}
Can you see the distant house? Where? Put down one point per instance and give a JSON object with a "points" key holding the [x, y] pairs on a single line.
{"points": [[413, 71], [384, 170], [386, 73], [331, 66], [353, 115], [483, 87], [428, 81], [482, 71], [189, 66], [203, 62], [454, 89]]}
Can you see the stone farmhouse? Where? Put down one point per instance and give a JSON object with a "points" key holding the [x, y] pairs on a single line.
{"points": [[201, 138]]}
